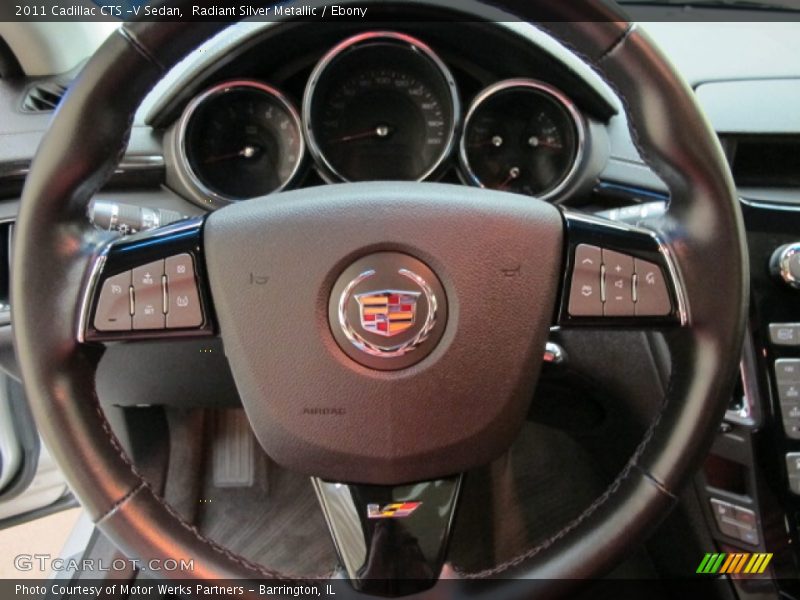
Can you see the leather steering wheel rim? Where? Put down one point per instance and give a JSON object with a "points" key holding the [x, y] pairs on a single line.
{"points": [[702, 229]]}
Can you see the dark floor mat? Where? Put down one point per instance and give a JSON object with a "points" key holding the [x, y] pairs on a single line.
{"points": [[517, 502], [521, 500], [276, 522]]}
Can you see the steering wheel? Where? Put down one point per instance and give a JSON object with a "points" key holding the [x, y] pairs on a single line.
{"points": [[305, 288]]}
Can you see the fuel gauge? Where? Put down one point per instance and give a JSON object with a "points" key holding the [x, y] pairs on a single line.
{"points": [[522, 136]]}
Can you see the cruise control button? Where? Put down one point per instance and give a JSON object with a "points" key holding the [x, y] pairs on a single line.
{"points": [[114, 305], [618, 284], [148, 306], [652, 297], [183, 299], [784, 334], [584, 296]]}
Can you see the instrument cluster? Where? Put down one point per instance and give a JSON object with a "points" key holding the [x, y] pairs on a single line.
{"points": [[380, 105]]}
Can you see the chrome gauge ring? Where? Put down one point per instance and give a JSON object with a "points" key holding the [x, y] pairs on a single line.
{"points": [[239, 140], [381, 105], [524, 136]]}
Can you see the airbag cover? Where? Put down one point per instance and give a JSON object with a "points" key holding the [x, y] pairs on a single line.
{"points": [[273, 263]]}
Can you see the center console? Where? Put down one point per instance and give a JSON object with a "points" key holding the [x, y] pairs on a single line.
{"points": [[750, 483]]}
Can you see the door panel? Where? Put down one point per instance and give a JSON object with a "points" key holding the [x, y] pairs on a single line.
{"points": [[31, 485]]}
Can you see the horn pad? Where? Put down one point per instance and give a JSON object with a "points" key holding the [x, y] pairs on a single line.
{"points": [[385, 333]]}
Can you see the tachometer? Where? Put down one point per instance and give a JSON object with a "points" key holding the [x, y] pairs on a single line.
{"points": [[240, 140], [380, 106], [522, 136]]}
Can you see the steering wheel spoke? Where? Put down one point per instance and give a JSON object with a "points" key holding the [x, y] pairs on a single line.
{"points": [[149, 286], [618, 275], [391, 540]]}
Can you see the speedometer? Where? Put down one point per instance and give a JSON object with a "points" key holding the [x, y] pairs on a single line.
{"points": [[380, 106]]}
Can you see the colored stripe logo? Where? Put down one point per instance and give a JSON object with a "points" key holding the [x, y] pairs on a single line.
{"points": [[396, 510], [734, 563]]}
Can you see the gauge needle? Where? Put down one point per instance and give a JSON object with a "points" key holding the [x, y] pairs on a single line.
{"points": [[513, 173], [246, 152], [381, 131]]}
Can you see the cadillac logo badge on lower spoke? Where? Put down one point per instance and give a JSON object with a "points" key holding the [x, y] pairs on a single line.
{"points": [[388, 312], [396, 510], [385, 308]]}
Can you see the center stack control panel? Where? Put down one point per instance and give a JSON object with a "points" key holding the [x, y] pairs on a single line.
{"points": [[750, 482], [782, 313]]}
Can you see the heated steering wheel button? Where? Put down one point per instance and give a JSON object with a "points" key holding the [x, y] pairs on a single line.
{"points": [[183, 300], [585, 298], [114, 306], [618, 284], [148, 312]]}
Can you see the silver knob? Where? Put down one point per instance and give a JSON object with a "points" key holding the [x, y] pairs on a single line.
{"points": [[785, 264]]}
